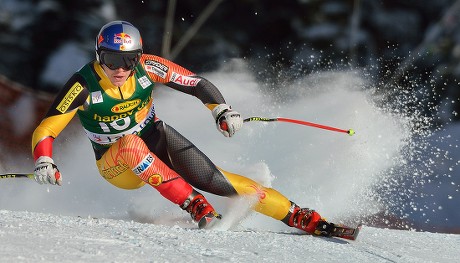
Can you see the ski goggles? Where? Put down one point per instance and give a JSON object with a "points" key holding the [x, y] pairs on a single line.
{"points": [[115, 60]]}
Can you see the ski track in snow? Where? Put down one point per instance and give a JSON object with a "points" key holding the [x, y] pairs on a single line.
{"points": [[33, 237], [88, 220]]}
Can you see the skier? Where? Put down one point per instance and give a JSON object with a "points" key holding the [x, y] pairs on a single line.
{"points": [[112, 97]]}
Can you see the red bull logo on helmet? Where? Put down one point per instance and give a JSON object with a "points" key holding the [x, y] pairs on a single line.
{"points": [[124, 40]]}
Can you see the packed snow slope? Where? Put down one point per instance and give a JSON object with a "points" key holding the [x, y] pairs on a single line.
{"points": [[36, 237], [387, 168]]}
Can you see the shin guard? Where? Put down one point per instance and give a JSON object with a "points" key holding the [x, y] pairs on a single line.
{"points": [[270, 202]]}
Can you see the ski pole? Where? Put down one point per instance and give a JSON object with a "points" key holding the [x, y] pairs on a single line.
{"points": [[306, 123], [16, 175]]}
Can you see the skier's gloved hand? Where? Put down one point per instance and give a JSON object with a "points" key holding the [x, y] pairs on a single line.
{"points": [[227, 121], [46, 171]]}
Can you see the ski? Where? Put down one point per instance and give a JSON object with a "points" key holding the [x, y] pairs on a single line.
{"points": [[334, 230], [209, 220], [346, 232]]}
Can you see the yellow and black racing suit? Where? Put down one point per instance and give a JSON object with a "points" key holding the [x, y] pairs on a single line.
{"points": [[108, 113]]}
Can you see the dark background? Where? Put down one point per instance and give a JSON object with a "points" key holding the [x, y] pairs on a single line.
{"points": [[407, 44]]}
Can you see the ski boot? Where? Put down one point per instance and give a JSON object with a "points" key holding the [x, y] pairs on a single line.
{"points": [[302, 218], [200, 210], [312, 223]]}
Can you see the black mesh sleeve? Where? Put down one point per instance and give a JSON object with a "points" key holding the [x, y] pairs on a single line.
{"points": [[71, 96]]}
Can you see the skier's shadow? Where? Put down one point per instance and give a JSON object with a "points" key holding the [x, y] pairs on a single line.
{"points": [[329, 239]]}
